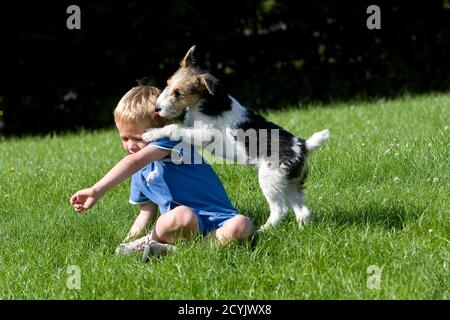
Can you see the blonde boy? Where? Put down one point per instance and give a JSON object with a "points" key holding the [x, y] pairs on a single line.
{"points": [[190, 197]]}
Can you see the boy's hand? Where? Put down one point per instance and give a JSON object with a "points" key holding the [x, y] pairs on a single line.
{"points": [[84, 199]]}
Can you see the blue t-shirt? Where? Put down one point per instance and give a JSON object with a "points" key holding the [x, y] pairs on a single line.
{"points": [[169, 183]]}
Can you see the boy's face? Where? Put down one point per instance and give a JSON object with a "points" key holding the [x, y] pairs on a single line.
{"points": [[130, 135]]}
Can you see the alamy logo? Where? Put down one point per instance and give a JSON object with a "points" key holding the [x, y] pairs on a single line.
{"points": [[229, 145], [374, 20], [74, 20], [74, 277], [374, 277]]}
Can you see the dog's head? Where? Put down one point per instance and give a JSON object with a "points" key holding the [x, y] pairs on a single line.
{"points": [[188, 86]]}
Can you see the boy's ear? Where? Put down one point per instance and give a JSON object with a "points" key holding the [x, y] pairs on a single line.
{"points": [[188, 60], [209, 82]]}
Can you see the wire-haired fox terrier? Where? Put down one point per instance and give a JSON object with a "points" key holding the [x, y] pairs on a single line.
{"points": [[279, 155]]}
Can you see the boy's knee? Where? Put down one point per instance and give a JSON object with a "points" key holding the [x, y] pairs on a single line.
{"points": [[240, 228], [180, 222], [183, 217], [179, 218]]}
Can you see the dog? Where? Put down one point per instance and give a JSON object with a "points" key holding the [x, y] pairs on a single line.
{"points": [[209, 107]]}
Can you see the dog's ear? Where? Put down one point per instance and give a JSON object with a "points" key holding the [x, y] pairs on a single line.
{"points": [[188, 60], [209, 82]]}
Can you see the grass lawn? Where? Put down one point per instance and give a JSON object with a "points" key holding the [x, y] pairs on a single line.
{"points": [[379, 190]]}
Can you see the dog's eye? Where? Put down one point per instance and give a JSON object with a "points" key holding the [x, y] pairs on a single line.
{"points": [[176, 93]]}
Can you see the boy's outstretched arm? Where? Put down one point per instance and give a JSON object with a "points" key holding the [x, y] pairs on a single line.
{"points": [[86, 198]]}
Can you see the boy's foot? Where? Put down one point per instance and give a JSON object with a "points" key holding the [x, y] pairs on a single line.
{"points": [[156, 249], [133, 246]]}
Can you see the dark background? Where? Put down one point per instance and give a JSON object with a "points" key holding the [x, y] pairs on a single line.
{"points": [[269, 53]]}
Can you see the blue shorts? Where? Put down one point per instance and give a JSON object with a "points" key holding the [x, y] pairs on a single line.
{"points": [[210, 221]]}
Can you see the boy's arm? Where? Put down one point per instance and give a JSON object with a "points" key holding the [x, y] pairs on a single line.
{"points": [[146, 216], [86, 198]]}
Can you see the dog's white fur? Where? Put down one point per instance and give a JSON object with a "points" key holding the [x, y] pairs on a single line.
{"points": [[272, 179], [200, 134]]}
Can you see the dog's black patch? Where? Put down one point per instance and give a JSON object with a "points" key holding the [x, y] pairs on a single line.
{"points": [[215, 105], [292, 161], [296, 164]]}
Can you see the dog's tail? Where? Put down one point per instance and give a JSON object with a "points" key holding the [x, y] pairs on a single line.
{"points": [[317, 139]]}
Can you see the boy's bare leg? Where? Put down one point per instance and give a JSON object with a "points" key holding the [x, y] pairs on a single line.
{"points": [[180, 222], [147, 216], [238, 228]]}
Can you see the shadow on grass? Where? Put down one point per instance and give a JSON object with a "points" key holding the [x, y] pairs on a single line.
{"points": [[387, 216]]}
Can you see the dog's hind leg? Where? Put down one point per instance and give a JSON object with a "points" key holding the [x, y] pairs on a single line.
{"points": [[296, 199], [273, 185]]}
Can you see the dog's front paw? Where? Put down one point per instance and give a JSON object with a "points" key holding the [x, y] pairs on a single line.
{"points": [[152, 135], [170, 131]]}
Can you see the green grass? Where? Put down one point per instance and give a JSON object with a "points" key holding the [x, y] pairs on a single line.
{"points": [[379, 190]]}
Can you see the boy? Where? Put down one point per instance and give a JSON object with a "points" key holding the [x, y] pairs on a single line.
{"points": [[190, 197]]}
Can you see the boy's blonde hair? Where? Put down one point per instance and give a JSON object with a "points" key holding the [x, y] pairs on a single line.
{"points": [[137, 106]]}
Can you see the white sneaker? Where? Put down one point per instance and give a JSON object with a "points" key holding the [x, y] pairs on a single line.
{"points": [[133, 246], [156, 249]]}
